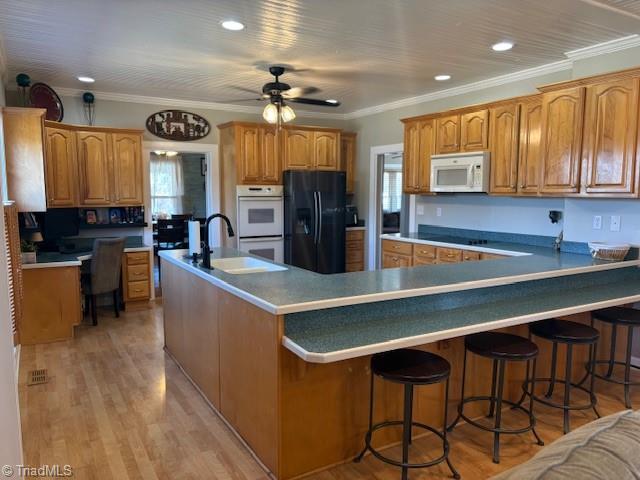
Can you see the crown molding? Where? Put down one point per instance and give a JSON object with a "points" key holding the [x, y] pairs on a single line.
{"points": [[173, 102], [604, 48], [469, 87]]}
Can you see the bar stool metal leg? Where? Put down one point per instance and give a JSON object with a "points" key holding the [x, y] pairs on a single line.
{"points": [[554, 360], [406, 429], [496, 434], [567, 388], [367, 438], [612, 350], [461, 404], [445, 444], [532, 419], [492, 402], [627, 368], [592, 396]]}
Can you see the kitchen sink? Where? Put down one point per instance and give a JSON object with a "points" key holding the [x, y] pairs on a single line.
{"points": [[243, 265]]}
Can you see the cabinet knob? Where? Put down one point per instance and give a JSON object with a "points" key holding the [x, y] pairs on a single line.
{"points": [[450, 255]]}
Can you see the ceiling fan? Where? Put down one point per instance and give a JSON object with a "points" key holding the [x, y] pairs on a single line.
{"points": [[279, 94]]}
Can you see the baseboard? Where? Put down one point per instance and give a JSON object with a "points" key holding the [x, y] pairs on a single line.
{"points": [[635, 361]]}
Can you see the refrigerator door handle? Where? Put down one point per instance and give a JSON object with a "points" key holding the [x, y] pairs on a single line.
{"points": [[319, 216], [315, 218]]}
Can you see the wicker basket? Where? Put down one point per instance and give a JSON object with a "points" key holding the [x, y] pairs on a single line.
{"points": [[608, 251]]}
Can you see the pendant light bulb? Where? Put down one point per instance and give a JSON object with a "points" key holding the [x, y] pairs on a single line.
{"points": [[287, 114], [270, 113]]}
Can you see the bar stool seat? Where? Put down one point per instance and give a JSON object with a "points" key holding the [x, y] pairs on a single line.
{"points": [[623, 317], [501, 348], [564, 331], [570, 334], [410, 368]]}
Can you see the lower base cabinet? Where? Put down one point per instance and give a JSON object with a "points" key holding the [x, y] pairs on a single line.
{"points": [[136, 278], [354, 251], [397, 254]]}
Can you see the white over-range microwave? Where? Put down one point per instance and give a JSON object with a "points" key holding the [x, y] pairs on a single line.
{"points": [[460, 172]]}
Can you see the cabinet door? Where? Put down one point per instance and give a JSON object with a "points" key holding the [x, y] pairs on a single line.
{"points": [[93, 163], [270, 156], [504, 148], [326, 150], [529, 156], [127, 168], [448, 136], [562, 117], [248, 155], [474, 130], [348, 159], [610, 136], [298, 149], [411, 158], [427, 140], [61, 168]]}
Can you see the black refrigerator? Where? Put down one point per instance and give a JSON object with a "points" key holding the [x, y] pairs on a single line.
{"points": [[314, 220]]}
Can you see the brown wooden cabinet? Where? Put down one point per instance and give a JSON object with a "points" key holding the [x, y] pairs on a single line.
{"points": [[562, 119], [326, 150], [126, 169], [248, 151], [298, 149], [94, 168], [610, 137], [420, 144], [271, 170], [448, 134], [354, 251], [529, 154], [504, 148], [348, 158], [61, 167], [255, 158], [474, 130], [136, 279]]}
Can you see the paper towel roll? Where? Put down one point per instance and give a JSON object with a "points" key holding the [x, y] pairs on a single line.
{"points": [[194, 238]]}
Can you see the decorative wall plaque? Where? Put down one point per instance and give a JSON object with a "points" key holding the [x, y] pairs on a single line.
{"points": [[178, 125]]}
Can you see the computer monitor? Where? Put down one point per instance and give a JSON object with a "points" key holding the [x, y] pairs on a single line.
{"points": [[59, 222]]}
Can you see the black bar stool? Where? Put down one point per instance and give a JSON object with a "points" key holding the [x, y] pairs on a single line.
{"points": [[501, 348], [623, 317], [571, 334], [410, 368]]}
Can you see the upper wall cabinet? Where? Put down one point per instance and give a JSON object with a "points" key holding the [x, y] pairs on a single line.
{"points": [[562, 119], [348, 158], [326, 146], [504, 148], [94, 168], [298, 149], [257, 154], [419, 145], [610, 137], [61, 167], [127, 168], [271, 170], [448, 134], [529, 153], [24, 146], [474, 131]]}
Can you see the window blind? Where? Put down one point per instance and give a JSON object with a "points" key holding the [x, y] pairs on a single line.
{"points": [[14, 266]]}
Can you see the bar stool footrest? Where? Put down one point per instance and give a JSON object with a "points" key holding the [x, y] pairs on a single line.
{"points": [[560, 381], [514, 405], [613, 379]]}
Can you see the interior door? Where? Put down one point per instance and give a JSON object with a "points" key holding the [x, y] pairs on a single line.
{"points": [[300, 219], [331, 187]]}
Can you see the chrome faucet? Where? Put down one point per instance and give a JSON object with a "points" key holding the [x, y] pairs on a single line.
{"points": [[206, 250], [558, 242]]}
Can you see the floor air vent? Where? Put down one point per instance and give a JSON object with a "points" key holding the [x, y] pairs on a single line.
{"points": [[37, 377]]}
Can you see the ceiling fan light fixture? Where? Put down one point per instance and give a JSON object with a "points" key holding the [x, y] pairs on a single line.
{"points": [[270, 113], [86, 79], [287, 114], [442, 77], [331, 100], [232, 25], [502, 46]]}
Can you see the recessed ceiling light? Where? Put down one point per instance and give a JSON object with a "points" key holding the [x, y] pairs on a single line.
{"points": [[86, 79], [502, 46], [331, 100], [232, 25], [442, 78]]}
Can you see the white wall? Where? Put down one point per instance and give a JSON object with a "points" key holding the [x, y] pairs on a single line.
{"points": [[10, 434], [579, 220]]}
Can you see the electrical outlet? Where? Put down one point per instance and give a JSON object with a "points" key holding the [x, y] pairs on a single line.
{"points": [[597, 222], [420, 209], [615, 223], [438, 212]]}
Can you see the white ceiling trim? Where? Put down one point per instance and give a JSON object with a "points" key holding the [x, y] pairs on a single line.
{"points": [[587, 52], [604, 48], [469, 87]]}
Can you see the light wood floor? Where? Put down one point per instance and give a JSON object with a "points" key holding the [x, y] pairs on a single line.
{"points": [[117, 407]]}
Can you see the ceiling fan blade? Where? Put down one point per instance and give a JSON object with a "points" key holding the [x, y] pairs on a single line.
{"points": [[296, 92], [313, 101], [239, 100], [247, 90]]}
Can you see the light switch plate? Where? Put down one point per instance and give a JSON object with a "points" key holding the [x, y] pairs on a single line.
{"points": [[438, 212], [597, 222], [615, 223], [420, 209]]}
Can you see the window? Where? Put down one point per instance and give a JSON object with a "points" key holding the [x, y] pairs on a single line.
{"points": [[392, 191], [167, 184]]}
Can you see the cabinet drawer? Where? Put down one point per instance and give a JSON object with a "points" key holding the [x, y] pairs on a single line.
{"points": [[403, 248], [355, 235], [136, 258], [424, 251], [138, 272], [354, 266], [491, 256], [353, 255], [392, 260], [418, 261], [449, 255], [139, 289], [468, 256]]}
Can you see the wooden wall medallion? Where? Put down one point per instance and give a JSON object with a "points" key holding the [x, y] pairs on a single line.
{"points": [[178, 125]]}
